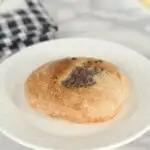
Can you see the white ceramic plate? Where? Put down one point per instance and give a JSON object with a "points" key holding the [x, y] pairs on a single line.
{"points": [[33, 130]]}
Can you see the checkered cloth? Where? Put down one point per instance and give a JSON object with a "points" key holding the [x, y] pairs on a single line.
{"points": [[24, 27]]}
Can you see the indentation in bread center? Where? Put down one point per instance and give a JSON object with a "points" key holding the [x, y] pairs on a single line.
{"points": [[81, 77]]}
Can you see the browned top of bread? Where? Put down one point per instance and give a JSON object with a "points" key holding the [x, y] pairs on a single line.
{"points": [[77, 89]]}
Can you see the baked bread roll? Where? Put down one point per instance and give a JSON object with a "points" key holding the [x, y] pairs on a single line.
{"points": [[80, 90]]}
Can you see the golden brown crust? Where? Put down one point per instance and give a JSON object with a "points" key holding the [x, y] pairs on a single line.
{"points": [[99, 102]]}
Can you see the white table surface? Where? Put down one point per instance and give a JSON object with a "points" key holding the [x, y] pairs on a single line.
{"points": [[134, 33]]}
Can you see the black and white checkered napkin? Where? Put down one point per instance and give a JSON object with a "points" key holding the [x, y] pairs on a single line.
{"points": [[24, 27]]}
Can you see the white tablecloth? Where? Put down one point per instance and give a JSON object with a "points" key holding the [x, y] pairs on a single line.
{"points": [[129, 27]]}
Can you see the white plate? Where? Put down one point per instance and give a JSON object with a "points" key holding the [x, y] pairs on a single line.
{"points": [[33, 130]]}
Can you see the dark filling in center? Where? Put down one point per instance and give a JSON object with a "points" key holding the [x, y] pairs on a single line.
{"points": [[81, 77]]}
